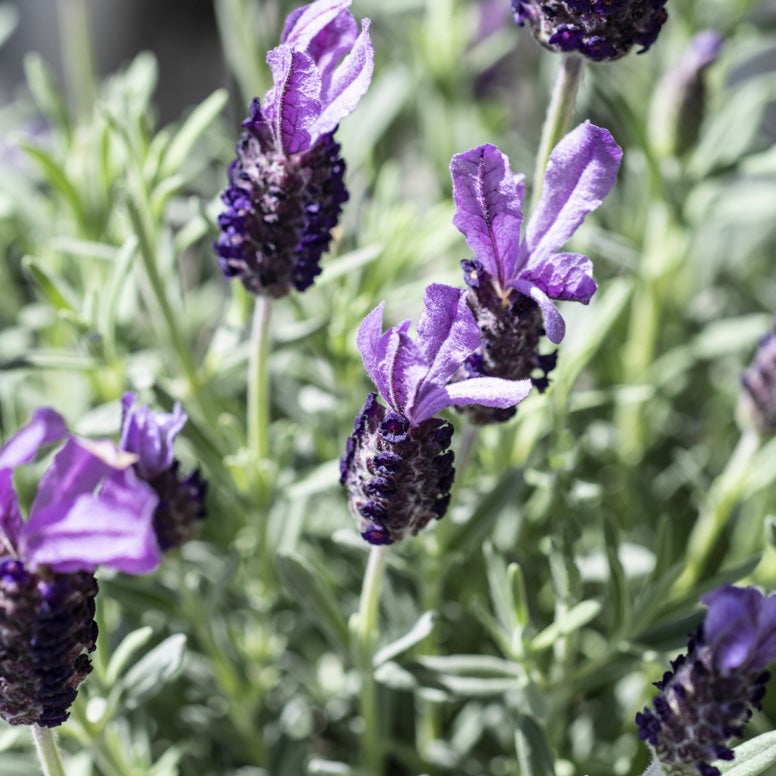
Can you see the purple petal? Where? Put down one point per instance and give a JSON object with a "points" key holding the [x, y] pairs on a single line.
{"points": [[567, 276], [447, 332], [765, 653], [150, 435], [10, 517], [305, 23], [488, 391], [580, 172], [368, 340], [78, 468], [554, 325], [112, 528], [293, 104], [402, 369], [331, 44], [45, 426], [489, 208], [730, 627], [348, 84]]}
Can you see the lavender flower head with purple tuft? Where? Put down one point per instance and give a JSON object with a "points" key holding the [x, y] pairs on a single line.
{"points": [[708, 696], [150, 436], [89, 510], [397, 466], [512, 280], [286, 186], [597, 29]]}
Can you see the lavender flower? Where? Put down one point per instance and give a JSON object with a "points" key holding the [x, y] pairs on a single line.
{"points": [[707, 697], [150, 436], [286, 186], [757, 400], [90, 509], [397, 466], [512, 281], [597, 29]]}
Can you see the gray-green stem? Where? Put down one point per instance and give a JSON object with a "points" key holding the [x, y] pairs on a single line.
{"points": [[258, 380], [366, 634], [75, 38], [48, 753], [723, 495], [558, 118]]}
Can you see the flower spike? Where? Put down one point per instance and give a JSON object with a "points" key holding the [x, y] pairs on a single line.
{"points": [[597, 29], [286, 186], [513, 281], [397, 466], [708, 695]]}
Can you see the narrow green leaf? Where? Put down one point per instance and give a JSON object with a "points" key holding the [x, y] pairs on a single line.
{"points": [[576, 617], [198, 121], [154, 670], [500, 588], [125, 651], [53, 288], [308, 586], [419, 631], [57, 178], [46, 92], [752, 757], [533, 750]]}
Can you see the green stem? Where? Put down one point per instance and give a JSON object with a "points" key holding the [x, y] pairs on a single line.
{"points": [[367, 637], [723, 495], [48, 753], [258, 380], [558, 118], [75, 39]]}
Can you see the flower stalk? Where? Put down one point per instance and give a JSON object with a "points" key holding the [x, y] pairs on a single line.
{"points": [[558, 118], [47, 751], [258, 380], [366, 638]]}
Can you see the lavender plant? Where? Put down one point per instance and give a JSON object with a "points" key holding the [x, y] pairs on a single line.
{"points": [[521, 633]]}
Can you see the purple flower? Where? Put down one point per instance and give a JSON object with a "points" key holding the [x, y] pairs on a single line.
{"points": [[512, 280], [150, 436], [757, 400], [708, 696], [286, 186], [597, 29], [397, 466], [90, 509]]}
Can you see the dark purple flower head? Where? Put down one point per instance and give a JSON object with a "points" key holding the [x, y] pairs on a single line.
{"points": [[150, 436], [597, 29], [757, 400], [397, 466], [90, 509], [286, 186], [512, 280], [708, 695]]}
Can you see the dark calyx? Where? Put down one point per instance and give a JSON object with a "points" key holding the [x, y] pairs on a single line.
{"points": [[47, 628], [280, 210], [181, 508], [398, 475], [510, 331]]}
